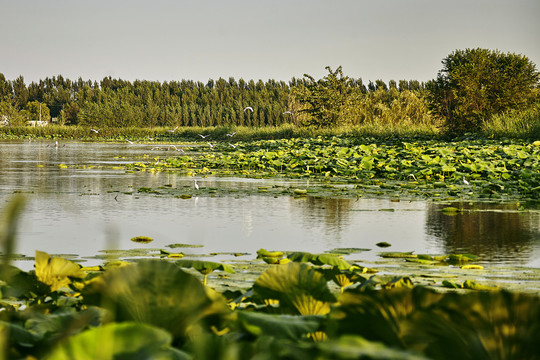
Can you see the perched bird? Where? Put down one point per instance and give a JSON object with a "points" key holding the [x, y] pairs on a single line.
{"points": [[196, 185], [248, 108]]}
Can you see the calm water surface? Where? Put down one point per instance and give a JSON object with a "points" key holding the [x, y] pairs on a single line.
{"points": [[84, 210]]}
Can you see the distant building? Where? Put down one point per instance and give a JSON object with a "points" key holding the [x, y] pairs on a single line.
{"points": [[36, 123]]}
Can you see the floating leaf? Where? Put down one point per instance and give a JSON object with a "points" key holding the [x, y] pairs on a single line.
{"points": [[204, 267], [383, 244], [142, 239]]}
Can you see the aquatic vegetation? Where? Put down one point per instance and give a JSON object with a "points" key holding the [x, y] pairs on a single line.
{"points": [[205, 267], [142, 239], [477, 169]]}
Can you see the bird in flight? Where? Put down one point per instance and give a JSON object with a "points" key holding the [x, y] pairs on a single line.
{"points": [[94, 130], [131, 142], [234, 146], [173, 130], [204, 136], [231, 135], [287, 112], [248, 108], [211, 146]]}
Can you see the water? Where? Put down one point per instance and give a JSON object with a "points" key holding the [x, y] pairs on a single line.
{"points": [[82, 210]]}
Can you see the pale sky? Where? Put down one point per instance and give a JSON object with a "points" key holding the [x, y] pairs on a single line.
{"points": [[171, 40]]}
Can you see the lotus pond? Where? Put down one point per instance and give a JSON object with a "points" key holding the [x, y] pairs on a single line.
{"points": [[284, 248]]}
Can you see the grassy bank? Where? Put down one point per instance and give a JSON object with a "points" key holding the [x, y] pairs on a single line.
{"points": [[241, 133]]}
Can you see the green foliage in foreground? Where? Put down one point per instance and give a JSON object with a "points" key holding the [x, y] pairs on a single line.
{"points": [[155, 309]]}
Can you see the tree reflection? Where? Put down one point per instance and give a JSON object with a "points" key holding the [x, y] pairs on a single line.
{"points": [[493, 231], [335, 212]]}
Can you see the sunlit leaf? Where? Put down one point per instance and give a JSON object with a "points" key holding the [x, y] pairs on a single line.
{"points": [[298, 288], [56, 272]]}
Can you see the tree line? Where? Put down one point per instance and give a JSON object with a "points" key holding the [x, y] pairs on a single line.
{"points": [[473, 85]]}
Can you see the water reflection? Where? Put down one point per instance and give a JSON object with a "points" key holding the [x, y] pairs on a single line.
{"points": [[494, 231], [89, 207]]}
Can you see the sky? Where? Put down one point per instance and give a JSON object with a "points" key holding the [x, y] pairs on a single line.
{"points": [[171, 40]]}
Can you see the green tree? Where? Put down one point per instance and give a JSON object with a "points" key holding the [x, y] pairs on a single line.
{"points": [[38, 111], [476, 84], [323, 99]]}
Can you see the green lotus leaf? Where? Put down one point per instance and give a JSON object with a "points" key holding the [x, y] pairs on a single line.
{"points": [[408, 254], [356, 347], [20, 284], [119, 341], [153, 292], [292, 327], [319, 259], [205, 267], [142, 239], [265, 253], [297, 287], [56, 272]]}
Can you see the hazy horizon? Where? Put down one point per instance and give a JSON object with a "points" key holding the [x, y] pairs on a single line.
{"points": [[168, 40]]}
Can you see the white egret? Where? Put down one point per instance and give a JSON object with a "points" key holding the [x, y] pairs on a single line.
{"points": [[465, 181], [173, 130], [248, 108], [196, 185], [234, 146], [94, 130], [211, 146], [287, 112], [56, 144], [231, 135], [204, 136], [131, 142]]}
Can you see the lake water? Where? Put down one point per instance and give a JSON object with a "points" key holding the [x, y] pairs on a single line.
{"points": [[82, 210]]}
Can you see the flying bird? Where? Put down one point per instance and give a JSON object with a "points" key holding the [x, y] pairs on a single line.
{"points": [[231, 135], [211, 146], [248, 108], [234, 146], [94, 130], [131, 142], [173, 130], [287, 112], [204, 136]]}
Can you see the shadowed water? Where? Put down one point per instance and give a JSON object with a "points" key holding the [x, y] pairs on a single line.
{"points": [[93, 204]]}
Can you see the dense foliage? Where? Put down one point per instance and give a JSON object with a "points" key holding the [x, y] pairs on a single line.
{"points": [[474, 86]]}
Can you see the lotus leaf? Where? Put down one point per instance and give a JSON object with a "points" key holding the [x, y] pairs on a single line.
{"points": [[56, 272], [153, 292], [279, 326], [142, 239], [320, 259], [119, 341], [204, 267], [297, 286]]}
